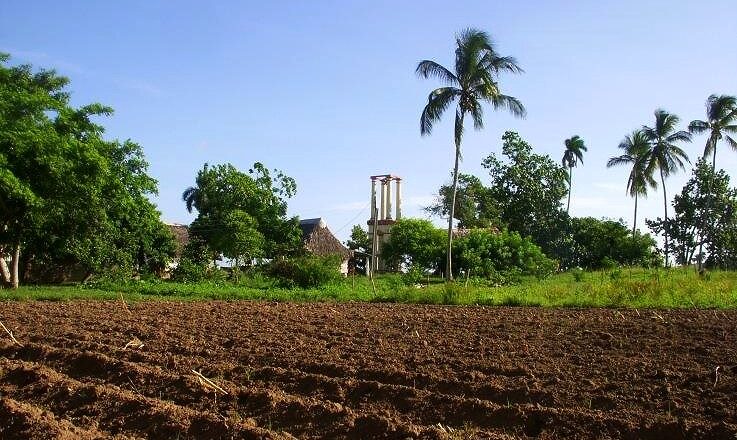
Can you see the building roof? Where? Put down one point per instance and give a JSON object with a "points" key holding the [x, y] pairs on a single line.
{"points": [[181, 236], [318, 240]]}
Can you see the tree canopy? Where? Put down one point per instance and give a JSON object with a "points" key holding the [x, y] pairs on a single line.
{"points": [[69, 196], [243, 215]]}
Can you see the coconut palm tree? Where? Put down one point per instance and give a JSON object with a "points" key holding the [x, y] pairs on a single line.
{"points": [[665, 155], [721, 114], [636, 150], [571, 157], [472, 82], [192, 196]]}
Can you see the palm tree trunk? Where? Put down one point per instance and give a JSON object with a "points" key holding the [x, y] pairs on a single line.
{"points": [[665, 207], [710, 205], [448, 267], [570, 182], [634, 221]]}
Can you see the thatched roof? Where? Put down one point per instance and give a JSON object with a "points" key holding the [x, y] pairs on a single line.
{"points": [[181, 236], [318, 240]]}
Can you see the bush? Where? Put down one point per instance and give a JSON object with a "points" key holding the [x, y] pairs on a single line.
{"points": [[501, 256], [188, 271], [604, 244], [578, 274], [305, 272]]}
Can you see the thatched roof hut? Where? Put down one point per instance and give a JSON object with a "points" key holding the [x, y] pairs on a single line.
{"points": [[181, 236], [318, 240]]}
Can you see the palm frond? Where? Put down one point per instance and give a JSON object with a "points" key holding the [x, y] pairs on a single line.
{"points": [[458, 127], [679, 136], [511, 103], [437, 102], [698, 126], [624, 159], [492, 62], [731, 142], [477, 113], [427, 69]]}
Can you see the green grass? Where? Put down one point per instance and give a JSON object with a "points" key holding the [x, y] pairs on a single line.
{"points": [[638, 288]]}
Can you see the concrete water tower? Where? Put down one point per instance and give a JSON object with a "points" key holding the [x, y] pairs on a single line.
{"points": [[381, 221]]}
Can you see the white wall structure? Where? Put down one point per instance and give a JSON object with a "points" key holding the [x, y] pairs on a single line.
{"points": [[381, 221]]}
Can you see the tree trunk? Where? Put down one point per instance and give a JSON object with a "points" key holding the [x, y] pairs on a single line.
{"points": [[570, 183], [4, 267], [634, 221], [665, 207], [707, 214], [448, 267], [16, 261]]}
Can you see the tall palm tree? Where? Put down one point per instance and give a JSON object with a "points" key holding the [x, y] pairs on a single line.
{"points": [[665, 155], [193, 196], [571, 157], [472, 82], [721, 114], [636, 150]]}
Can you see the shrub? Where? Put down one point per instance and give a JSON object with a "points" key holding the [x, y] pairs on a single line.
{"points": [[504, 256], [306, 271], [578, 274], [188, 271]]}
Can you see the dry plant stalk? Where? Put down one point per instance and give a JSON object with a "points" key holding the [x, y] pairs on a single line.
{"points": [[10, 334], [124, 304], [207, 382], [134, 343], [716, 376]]}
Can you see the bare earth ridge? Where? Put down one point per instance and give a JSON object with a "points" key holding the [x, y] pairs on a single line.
{"points": [[364, 371]]}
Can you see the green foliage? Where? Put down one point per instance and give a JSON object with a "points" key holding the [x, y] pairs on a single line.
{"points": [[70, 197], [528, 188], [306, 271], [705, 213], [243, 215], [415, 243], [413, 276], [593, 244], [188, 271], [502, 256], [578, 274], [638, 288], [474, 207], [360, 243]]}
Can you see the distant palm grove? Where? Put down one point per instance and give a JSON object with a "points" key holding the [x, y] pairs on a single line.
{"points": [[72, 201]]}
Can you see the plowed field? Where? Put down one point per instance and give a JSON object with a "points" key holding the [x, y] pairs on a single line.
{"points": [[364, 371]]}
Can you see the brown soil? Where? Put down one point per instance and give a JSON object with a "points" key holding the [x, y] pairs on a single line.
{"points": [[364, 371]]}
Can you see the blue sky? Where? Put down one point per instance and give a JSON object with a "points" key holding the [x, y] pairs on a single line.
{"points": [[326, 91]]}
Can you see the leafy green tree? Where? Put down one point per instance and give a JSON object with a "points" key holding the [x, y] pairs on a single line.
{"points": [[572, 155], [360, 243], [688, 228], [596, 242], [475, 208], [501, 256], [528, 189], [665, 155], [243, 215], [721, 113], [69, 197], [473, 81], [415, 243], [636, 148]]}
